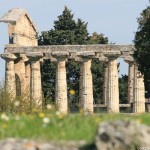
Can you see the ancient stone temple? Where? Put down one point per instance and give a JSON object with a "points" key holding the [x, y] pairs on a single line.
{"points": [[23, 57]]}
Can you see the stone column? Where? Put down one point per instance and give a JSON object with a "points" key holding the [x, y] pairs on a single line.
{"points": [[10, 83], [138, 92], [61, 82], [105, 83], [112, 84], [130, 82], [104, 61], [27, 74], [36, 87], [130, 61], [20, 72], [86, 84], [80, 86]]}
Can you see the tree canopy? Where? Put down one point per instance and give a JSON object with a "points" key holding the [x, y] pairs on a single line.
{"points": [[69, 31], [142, 45], [66, 31]]}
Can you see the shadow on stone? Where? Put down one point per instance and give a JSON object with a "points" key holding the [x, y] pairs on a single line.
{"points": [[91, 146]]}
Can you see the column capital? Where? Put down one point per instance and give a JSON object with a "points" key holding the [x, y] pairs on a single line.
{"points": [[85, 55], [139, 75], [34, 56], [112, 55], [137, 72], [8, 56], [60, 55], [48, 55], [23, 57], [129, 60], [103, 59]]}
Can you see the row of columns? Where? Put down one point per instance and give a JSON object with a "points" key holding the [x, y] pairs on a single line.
{"points": [[29, 76], [136, 89], [111, 89]]}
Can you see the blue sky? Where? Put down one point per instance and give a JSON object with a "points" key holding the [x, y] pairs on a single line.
{"points": [[116, 19]]}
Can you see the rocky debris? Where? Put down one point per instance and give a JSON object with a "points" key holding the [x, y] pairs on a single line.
{"points": [[24, 144], [113, 135], [122, 135]]}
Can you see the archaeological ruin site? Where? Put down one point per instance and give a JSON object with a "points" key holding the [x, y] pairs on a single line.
{"points": [[23, 58]]}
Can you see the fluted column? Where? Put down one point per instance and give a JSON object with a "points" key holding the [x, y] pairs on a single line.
{"points": [[10, 82], [86, 83], [80, 86], [35, 87], [112, 84], [113, 87], [27, 74], [130, 82], [105, 83], [61, 82], [139, 92], [104, 61], [20, 72], [130, 61]]}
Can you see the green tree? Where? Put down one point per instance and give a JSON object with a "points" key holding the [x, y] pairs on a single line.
{"points": [[97, 72], [98, 39], [142, 45], [123, 89], [48, 74], [81, 33], [68, 31]]}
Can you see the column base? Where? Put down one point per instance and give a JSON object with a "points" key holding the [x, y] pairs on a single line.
{"points": [[139, 107]]}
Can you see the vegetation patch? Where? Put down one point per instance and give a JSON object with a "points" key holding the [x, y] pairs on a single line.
{"points": [[57, 127]]}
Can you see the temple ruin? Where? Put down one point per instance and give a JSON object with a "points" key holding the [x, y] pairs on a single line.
{"points": [[23, 57]]}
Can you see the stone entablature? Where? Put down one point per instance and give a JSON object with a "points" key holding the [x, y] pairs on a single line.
{"points": [[124, 51]]}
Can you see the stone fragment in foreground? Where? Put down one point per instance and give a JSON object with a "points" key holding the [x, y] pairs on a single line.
{"points": [[122, 135]]}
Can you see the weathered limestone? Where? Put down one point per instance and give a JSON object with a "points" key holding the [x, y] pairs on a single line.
{"points": [[122, 135], [20, 74], [130, 82], [61, 82], [27, 74], [36, 88], [130, 61], [80, 86], [105, 83], [139, 92], [10, 83], [104, 61], [22, 32], [71, 48], [113, 88], [21, 28], [86, 84]]}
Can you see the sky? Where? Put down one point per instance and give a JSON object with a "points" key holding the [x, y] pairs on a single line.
{"points": [[116, 19]]}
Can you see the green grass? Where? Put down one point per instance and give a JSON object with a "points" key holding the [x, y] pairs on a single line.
{"points": [[69, 127]]}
